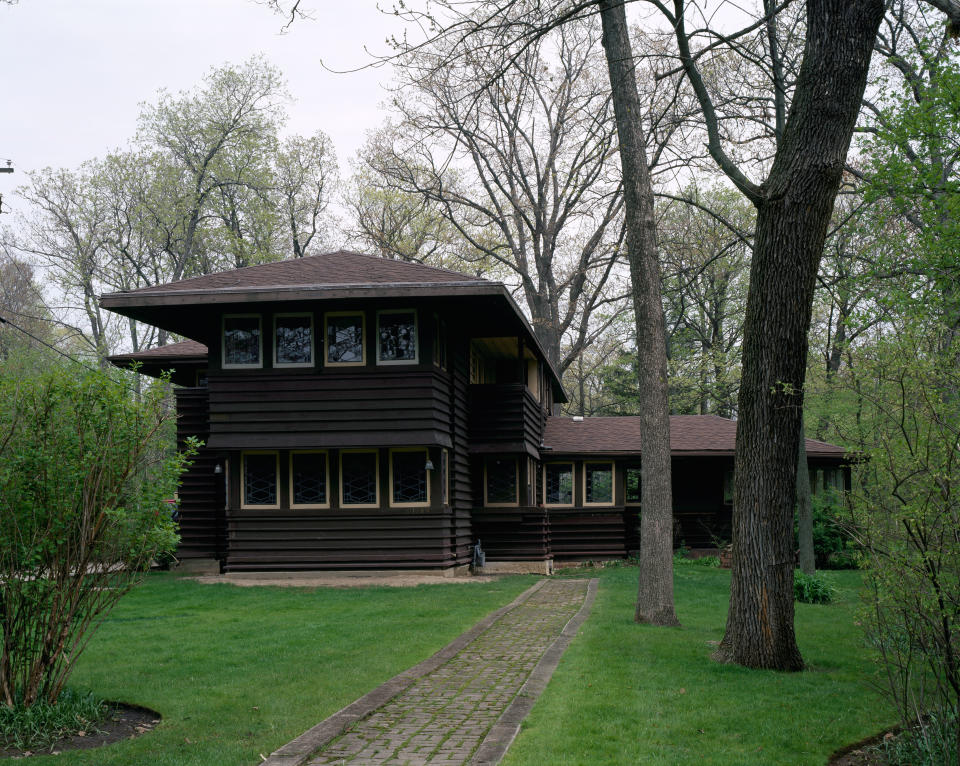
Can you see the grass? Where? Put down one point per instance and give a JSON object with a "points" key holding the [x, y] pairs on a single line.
{"points": [[627, 693], [236, 672]]}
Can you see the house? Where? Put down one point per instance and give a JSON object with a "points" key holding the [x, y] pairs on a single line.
{"points": [[364, 413]]}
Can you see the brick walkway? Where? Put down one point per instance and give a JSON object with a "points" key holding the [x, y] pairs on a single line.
{"points": [[447, 708]]}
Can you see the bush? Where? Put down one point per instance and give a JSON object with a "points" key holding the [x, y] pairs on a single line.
{"points": [[86, 468], [812, 589], [931, 742], [41, 724]]}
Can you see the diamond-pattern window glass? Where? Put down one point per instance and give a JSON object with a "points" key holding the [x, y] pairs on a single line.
{"points": [[294, 342], [308, 471], [359, 478], [502, 481], [409, 477], [633, 486], [559, 487], [345, 339], [397, 336], [241, 340], [599, 482], [260, 479]]}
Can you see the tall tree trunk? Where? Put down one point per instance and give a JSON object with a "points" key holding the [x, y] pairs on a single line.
{"points": [[808, 562], [655, 591], [792, 218]]}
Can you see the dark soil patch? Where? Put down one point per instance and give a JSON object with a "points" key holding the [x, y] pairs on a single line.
{"points": [[121, 722], [864, 752]]}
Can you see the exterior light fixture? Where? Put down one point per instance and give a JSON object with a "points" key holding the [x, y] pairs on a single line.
{"points": [[429, 465], [218, 469]]}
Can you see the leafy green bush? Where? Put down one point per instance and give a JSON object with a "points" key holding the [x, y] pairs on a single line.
{"points": [[38, 725], [812, 589], [86, 468]]}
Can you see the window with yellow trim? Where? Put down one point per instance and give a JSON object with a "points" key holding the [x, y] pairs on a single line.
{"points": [[598, 483]]}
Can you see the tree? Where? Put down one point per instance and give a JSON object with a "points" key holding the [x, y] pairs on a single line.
{"points": [[515, 157], [85, 480], [207, 185]]}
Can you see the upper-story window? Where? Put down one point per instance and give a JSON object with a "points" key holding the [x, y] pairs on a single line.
{"points": [[242, 342], [344, 338], [293, 340], [397, 336]]}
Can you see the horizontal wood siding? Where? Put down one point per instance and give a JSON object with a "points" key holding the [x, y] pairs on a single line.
{"points": [[578, 534], [315, 540], [463, 537], [505, 416], [512, 534], [380, 407], [201, 490], [461, 486]]}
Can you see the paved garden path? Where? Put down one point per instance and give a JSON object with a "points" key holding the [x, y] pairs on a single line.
{"points": [[464, 704]]}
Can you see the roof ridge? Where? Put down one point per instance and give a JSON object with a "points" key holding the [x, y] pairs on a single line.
{"points": [[441, 269]]}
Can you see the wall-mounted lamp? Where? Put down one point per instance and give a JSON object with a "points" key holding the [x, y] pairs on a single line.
{"points": [[429, 465], [218, 469]]}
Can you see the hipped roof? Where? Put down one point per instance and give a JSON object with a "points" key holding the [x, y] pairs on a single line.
{"points": [[342, 275], [690, 435]]}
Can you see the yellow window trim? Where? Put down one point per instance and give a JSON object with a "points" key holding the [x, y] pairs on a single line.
{"points": [[223, 342], [326, 469], [416, 338], [426, 454], [613, 482], [573, 489], [376, 463], [243, 477], [363, 340], [276, 347]]}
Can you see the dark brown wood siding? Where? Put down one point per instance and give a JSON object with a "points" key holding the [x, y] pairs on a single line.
{"points": [[505, 417], [201, 490], [316, 540], [512, 534], [579, 534], [380, 407]]}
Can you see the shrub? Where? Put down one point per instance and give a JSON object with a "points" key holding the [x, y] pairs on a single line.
{"points": [[42, 723], [85, 470], [931, 742], [812, 589]]}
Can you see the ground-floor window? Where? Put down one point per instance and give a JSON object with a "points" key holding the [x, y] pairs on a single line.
{"points": [[259, 473], [308, 479], [598, 483], [558, 484], [409, 483], [500, 483], [359, 478]]}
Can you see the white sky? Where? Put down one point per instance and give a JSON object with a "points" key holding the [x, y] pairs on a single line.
{"points": [[73, 72]]}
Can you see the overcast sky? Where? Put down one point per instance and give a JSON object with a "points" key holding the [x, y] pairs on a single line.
{"points": [[73, 72]]}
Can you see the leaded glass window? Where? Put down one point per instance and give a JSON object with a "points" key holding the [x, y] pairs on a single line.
{"points": [[358, 478], [397, 336], [439, 343], [409, 473], [558, 484], [345, 339], [633, 486], [308, 478], [501, 482], [598, 483], [294, 339], [241, 341], [260, 479]]}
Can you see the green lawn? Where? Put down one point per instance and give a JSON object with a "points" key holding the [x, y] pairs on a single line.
{"points": [[237, 672], [629, 694]]}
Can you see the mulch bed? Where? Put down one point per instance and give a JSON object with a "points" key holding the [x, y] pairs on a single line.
{"points": [[862, 753], [122, 722]]}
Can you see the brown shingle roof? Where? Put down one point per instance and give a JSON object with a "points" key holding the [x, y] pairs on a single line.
{"points": [[182, 350], [340, 268], [689, 435]]}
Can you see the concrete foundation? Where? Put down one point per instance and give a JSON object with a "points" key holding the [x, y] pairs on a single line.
{"points": [[517, 567]]}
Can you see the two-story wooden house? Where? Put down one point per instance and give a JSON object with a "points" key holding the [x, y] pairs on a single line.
{"points": [[359, 412]]}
